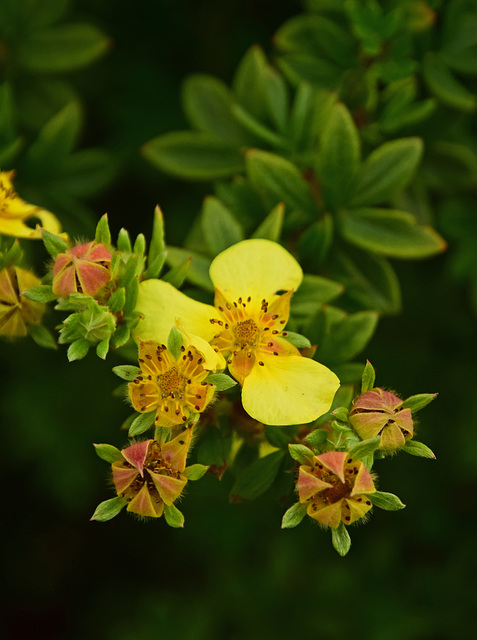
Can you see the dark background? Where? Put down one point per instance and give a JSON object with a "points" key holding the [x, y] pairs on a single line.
{"points": [[231, 573]]}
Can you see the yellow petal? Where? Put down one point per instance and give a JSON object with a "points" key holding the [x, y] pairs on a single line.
{"points": [[159, 304], [256, 268], [212, 359], [288, 390], [330, 515]]}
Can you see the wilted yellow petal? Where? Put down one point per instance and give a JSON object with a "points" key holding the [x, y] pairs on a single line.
{"points": [[288, 390]]}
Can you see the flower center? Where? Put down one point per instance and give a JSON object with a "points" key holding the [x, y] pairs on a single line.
{"points": [[246, 331], [171, 382]]}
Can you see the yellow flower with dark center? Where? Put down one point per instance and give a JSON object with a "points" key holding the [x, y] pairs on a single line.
{"points": [[14, 212], [254, 281], [16, 311], [335, 488], [151, 475], [173, 388]]}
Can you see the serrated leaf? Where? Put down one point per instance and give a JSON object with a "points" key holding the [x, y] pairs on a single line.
{"points": [[193, 155], [174, 342], [364, 448], [42, 293], [257, 478], [368, 377], [396, 234], [142, 423], [219, 226], [294, 515], [386, 501], [300, 453], [418, 402], [108, 509], [387, 170], [418, 449], [173, 516], [341, 539], [221, 381], [108, 453]]}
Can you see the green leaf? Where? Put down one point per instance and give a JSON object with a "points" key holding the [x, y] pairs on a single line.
{"points": [[124, 241], [276, 98], [419, 449], [299, 67], [140, 244], [219, 226], [193, 155], [279, 437], [42, 293], [313, 292], [300, 453], [364, 448], [260, 132], [173, 516], [53, 244], [294, 515], [297, 340], [127, 372], [386, 501], [78, 349], [157, 247], [347, 337], [444, 85], [278, 180], [317, 437], [221, 381], [108, 509], [102, 348], [199, 268], [195, 472], [207, 104], [341, 539], [368, 377], [418, 402], [117, 300], [62, 48], [248, 83], [387, 170], [396, 234], [315, 242], [257, 478], [108, 453], [42, 336], [310, 112], [103, 234], [174, 342], [121, 336], [271, 227], [339, 157], [142, 423], [178, 274], [86, 172]]}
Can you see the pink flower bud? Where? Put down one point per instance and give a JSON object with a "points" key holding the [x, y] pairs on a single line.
{"points": [[82, 269]]}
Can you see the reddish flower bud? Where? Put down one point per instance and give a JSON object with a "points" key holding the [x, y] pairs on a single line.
{"points": [[377, 413], [335, 488], [82, 269]]}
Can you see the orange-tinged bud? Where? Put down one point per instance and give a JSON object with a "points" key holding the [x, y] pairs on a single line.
{"points": [[151, 475], [16, 311], [82, 269], [377, 413], [335, 488]]}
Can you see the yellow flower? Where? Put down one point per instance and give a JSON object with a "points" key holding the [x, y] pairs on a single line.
{"points": [[173, 388], [14, 212], [254, 281], [16, 311]]}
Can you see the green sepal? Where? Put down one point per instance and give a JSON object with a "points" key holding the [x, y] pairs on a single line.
{"points": [[174, 342], [157, 246], [364, 448], [102, 348], [173, 516], [103, 234], [340, 427], [124, 241], [256, 478], [271, 227], [317, 437], [139, 247], [12, 255], [195, 471], [341, 414], [154, 268], [53, 244], [341, 539], [386, 501], [297, 340], [368, 377], [121, 335], [178, 274], [142, 423], [78, 349], [42, 336], [108, 452], [108, 509], [132, 292], [294, 515], [117, 300], [300, 453], [415, 448], [127, 372], [42, 293], [221, 381], [418, 402]]}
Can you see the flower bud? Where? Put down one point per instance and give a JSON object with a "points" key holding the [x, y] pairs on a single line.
{"points": [[82, 269], [377, 413], [17, 311], [335, 488]]}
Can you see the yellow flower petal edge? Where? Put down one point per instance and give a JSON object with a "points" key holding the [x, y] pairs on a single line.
{"points": [[257, 268], [159, 304], [288, 390]]}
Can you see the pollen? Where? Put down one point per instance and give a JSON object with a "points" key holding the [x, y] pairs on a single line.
{"points": [[246, 331], [171, 382]]}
